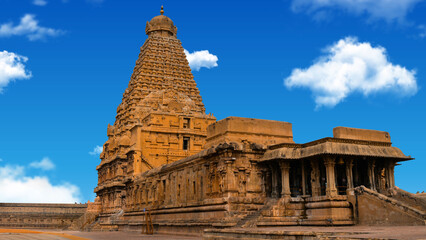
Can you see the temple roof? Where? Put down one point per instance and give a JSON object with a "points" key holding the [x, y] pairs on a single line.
{"points": [[335, 146], [162, 67], [161, 24]]}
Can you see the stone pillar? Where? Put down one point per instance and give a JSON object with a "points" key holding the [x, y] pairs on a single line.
{"points": [[303, 179], [371, 177], [349, 177], [315, 178], [274, 184], [390, 174], [285, 179], [330, 163]]}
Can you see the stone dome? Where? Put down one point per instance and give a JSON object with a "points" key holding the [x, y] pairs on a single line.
{"points": [[161, 25]]}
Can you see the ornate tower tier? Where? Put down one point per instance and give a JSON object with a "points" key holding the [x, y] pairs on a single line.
{"points": [[161, 118], [162, 65]]}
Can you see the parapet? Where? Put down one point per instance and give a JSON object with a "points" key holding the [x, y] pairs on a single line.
{"points": [[237, 129], [361, 134]]}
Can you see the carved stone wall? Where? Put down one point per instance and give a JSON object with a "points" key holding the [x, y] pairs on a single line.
{"points": [[164, 154], [32, 215]]}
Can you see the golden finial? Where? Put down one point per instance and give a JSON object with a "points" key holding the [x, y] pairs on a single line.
{"points": [[162, 11]]}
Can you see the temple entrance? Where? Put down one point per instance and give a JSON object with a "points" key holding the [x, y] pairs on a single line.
{"points": [[341, 178], [300, 178], [296, 178], [360, 171], [308, 169]]}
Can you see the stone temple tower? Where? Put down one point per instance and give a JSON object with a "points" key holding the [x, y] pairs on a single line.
{"points": [[161, 118]]}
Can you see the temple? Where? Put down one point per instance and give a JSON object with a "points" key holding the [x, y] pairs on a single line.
{"points": [[165, 155]]}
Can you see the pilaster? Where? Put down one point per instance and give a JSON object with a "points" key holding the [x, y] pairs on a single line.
{"points": [[230, 181]]}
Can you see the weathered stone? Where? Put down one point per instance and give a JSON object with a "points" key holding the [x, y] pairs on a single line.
{"points": [[166, 156], [40, 215]]}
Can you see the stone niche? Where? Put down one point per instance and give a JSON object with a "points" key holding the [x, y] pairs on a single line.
{"points": [[237, 129], [361, 134]]}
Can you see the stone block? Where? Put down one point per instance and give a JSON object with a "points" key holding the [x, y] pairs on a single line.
{"points": [[361, 134], [237, 129]]}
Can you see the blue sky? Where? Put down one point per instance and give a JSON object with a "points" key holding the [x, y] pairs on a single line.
{"points": [[64, 66]]}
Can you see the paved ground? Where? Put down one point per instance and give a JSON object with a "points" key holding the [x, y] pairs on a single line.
{"points": [[24, 234], [30, 236], [359, 232], [44, 234]]}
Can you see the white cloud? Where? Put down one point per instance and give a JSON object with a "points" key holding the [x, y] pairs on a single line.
{"points": [[40, 2], [15, 186], [350, 66], [11, 68], [422, 29], [28, 27], [388, 10], [44, 164], [199, 59], [96, 151]]}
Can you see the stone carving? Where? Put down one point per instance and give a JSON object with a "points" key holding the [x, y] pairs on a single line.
{"points": [[165, 154]]}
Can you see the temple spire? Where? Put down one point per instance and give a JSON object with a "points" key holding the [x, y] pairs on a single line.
{"points": [[162, 11]]}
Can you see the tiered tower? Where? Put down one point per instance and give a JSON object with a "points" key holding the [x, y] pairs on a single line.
{"points": [[161, 118]]}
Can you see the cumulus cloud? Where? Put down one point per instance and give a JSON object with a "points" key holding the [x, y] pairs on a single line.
{"points": [[199, 59], [12, 68], [388, 10], [16, 186], [40, 2], [28, 27], [350, 66], [44, 164], [96, 151]]}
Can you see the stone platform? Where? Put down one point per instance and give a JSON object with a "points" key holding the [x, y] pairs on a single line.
{"points": [[308, 233]]}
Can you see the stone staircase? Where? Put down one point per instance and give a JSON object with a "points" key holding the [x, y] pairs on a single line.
{"points": [[410, 199], [250, 220], [284, 212], [103, 223], [378, 209], [92, 226]]}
